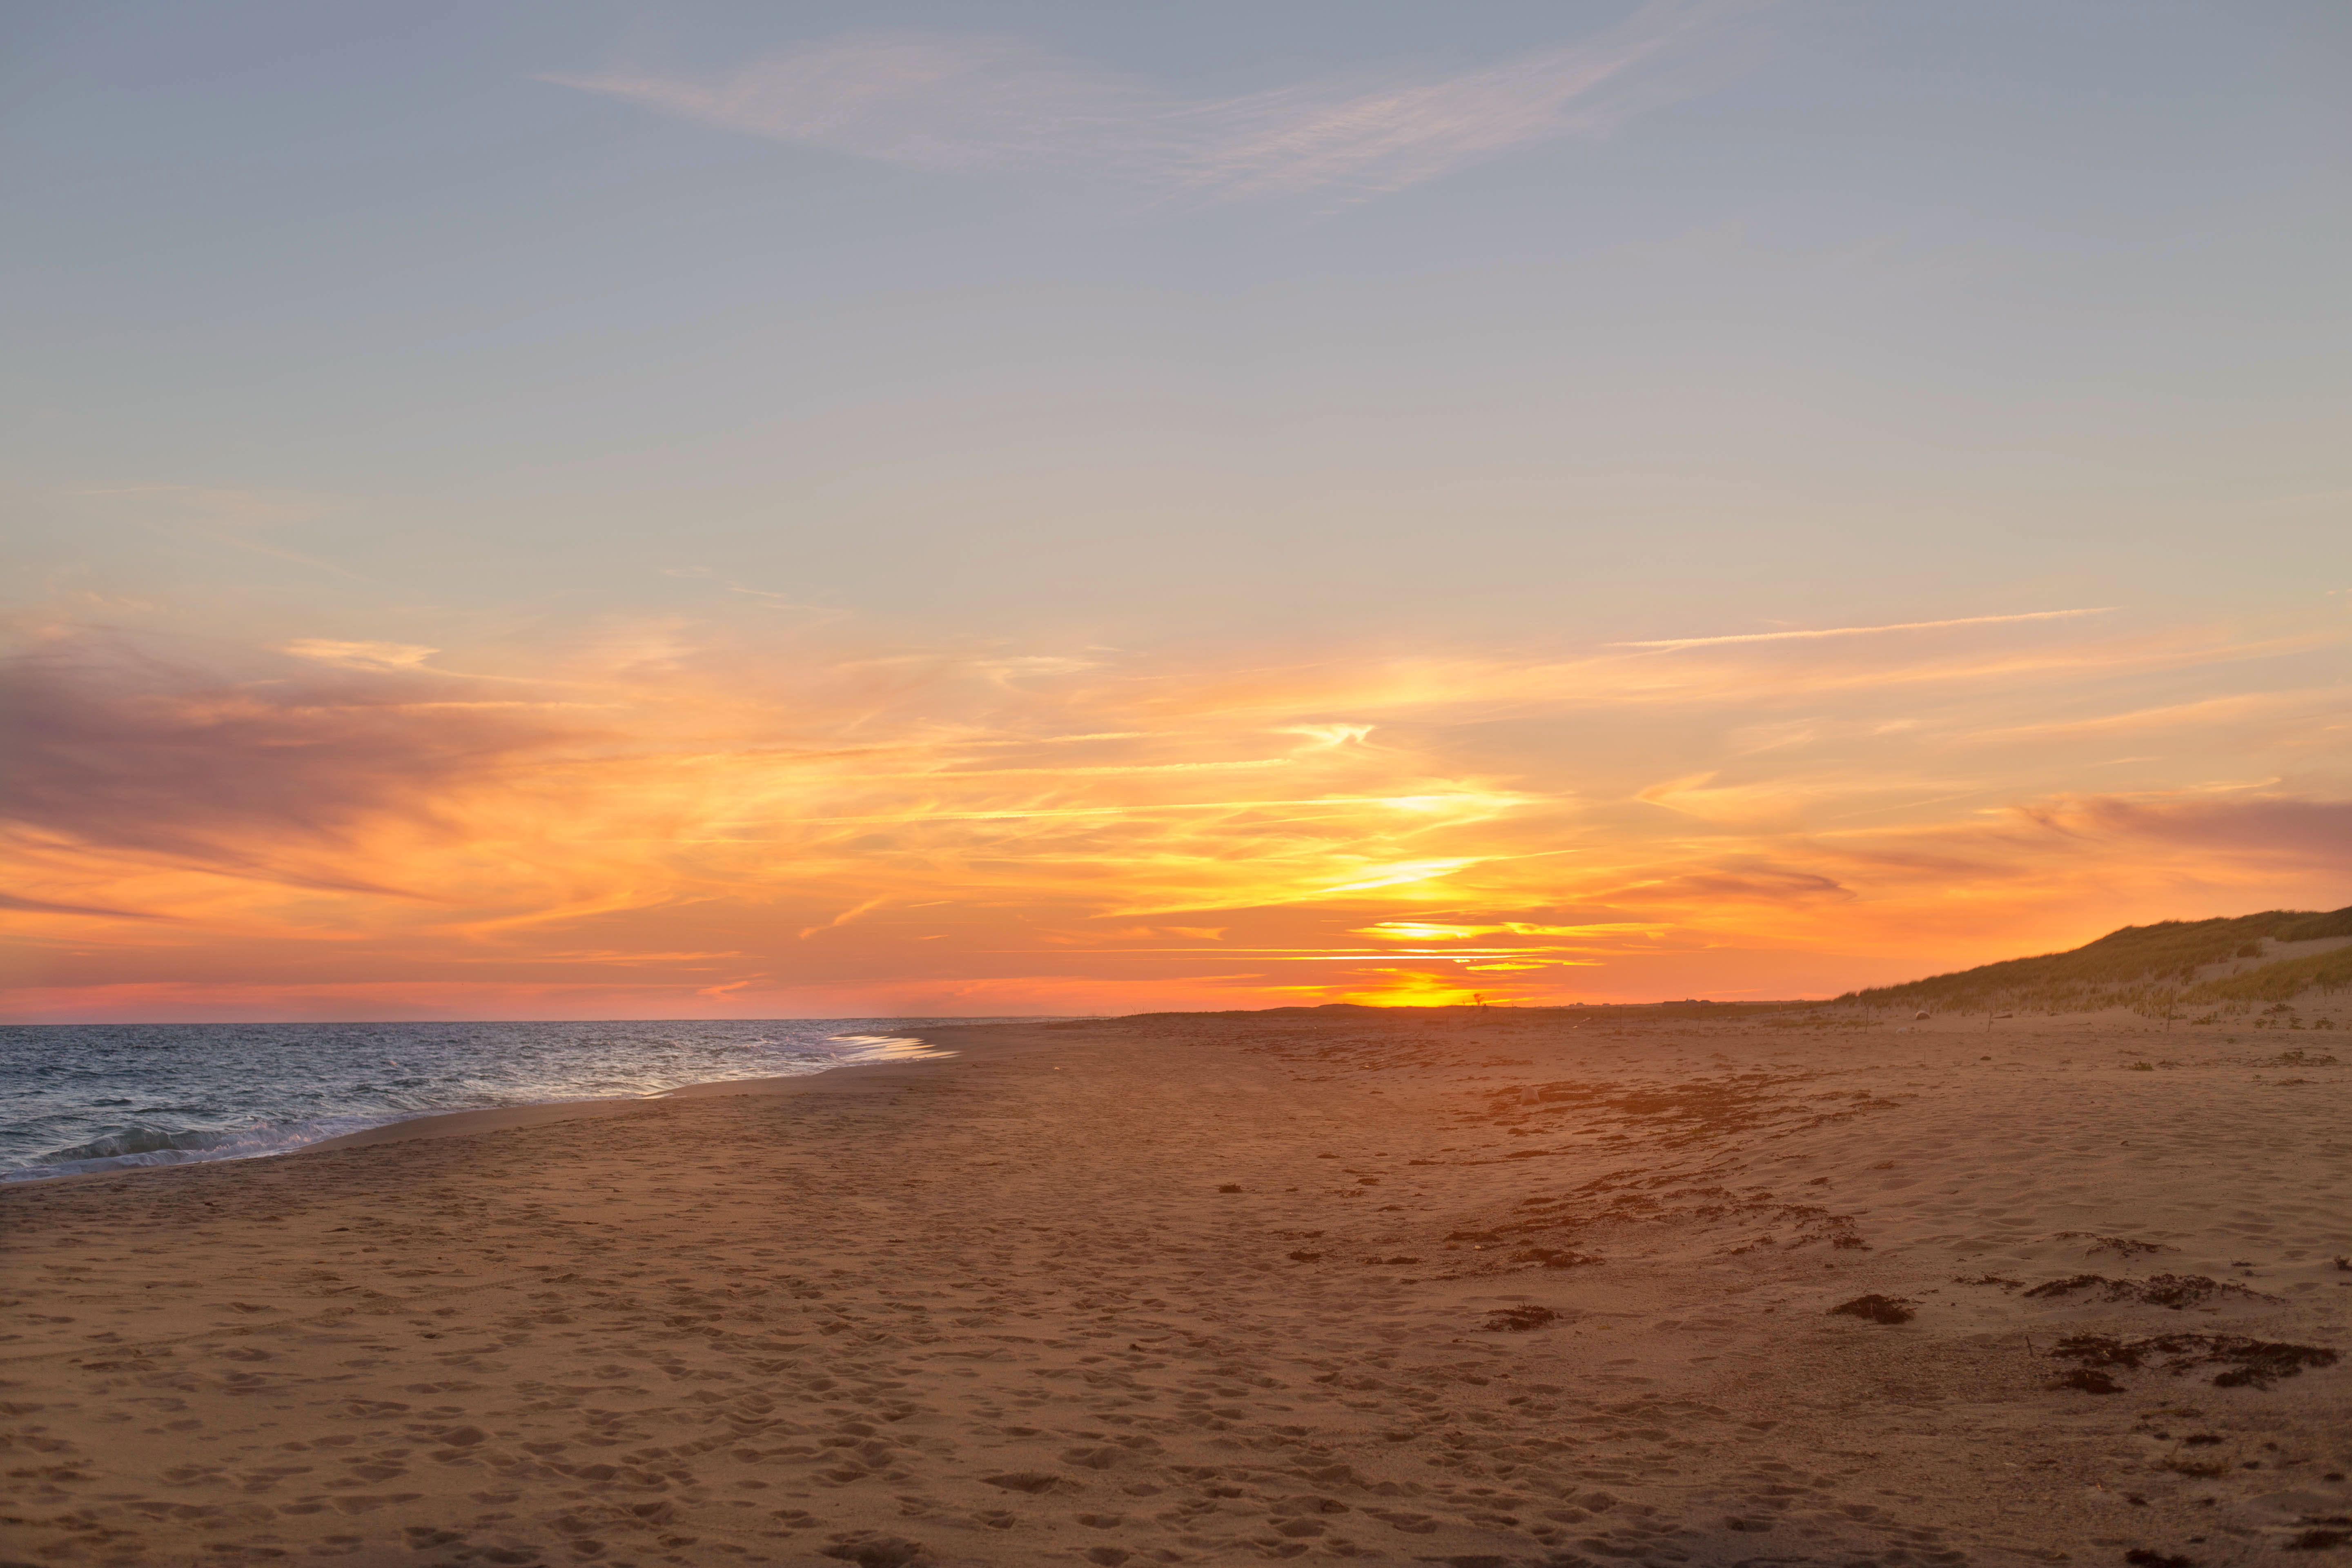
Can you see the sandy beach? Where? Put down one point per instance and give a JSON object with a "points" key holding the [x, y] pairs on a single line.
{"points": [[1450, 1286]]}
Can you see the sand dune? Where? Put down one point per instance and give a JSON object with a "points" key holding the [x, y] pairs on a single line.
{"points": [[1454, 1287]]}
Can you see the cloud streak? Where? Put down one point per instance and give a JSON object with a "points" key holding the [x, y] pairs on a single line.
{"points": [[978, 105], [1670, 645], [44, 907], [362, 655], [111, 748]]}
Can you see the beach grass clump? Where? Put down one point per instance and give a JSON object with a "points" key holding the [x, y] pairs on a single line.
{"points": [[2276, 983], [2336, 923]]}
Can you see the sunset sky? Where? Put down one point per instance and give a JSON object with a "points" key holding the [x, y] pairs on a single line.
{"points": [[602, 510]]}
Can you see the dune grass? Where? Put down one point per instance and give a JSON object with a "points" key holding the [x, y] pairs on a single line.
{"points": [[2151, 969], [2279, 982], [2337, 923]]}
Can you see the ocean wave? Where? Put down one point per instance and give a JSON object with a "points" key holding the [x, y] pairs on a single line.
{"points": [[868, 1049], [146, 1146], [136, 1141], [77, 1099]]}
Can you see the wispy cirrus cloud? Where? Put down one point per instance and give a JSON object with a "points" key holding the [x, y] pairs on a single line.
{"points": [[966, 104], [171, 765], [362, 655], [45, 907], [1670, 645]]}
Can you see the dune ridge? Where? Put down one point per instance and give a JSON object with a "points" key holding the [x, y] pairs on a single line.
{"points": [[2152, 969]]}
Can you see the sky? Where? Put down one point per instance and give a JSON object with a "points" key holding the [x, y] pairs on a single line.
{"points": [[613, 510]]}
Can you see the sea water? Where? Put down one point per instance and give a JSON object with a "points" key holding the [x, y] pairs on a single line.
{"points": [[76, 1098]]}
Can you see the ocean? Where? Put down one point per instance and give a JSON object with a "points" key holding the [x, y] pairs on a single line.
{"points": [[76, 1098]]}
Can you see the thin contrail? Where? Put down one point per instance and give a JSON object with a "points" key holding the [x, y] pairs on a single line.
{"points": [[1670, 644]]}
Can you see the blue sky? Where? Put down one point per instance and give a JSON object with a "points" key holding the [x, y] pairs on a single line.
{"points": [[2005, 294]]}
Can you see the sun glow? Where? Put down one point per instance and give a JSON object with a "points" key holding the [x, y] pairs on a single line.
{"points": [[353, 830], [1418, 988]]}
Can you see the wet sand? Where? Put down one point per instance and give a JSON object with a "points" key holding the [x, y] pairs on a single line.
{"points": [[1460, 1289]]}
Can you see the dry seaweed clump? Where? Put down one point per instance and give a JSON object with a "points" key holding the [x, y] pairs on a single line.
{"points": [[868, 1549], [2245, 1362], [1877, 1309], [2086, 1380], [1555, 1258], [1518, 1320], [2122, 1246], [2173, 1290]]}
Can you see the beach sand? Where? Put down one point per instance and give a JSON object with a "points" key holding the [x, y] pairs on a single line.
{"points": [[1457, 1288]]}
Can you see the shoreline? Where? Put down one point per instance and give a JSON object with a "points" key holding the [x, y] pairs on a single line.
{"points": [[504, 1118], [471, 1121]]}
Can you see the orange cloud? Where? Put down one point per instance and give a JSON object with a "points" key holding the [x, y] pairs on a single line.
{"points": [[648, 825]]}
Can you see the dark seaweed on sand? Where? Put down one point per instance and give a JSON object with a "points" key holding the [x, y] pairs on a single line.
{"points": [[867, 1550], [1875, 1308], [2086, 1381], [2173, 1290], [2246, 1363], [2123, 1247], [1555, 1258], [1518, 1320]]}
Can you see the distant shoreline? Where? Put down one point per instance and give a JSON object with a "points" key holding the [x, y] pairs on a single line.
{"points": [[464, 1122]]}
